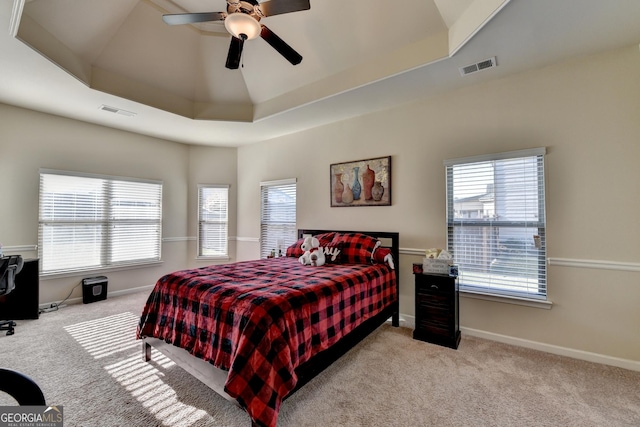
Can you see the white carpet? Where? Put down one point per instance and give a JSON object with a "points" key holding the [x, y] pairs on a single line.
{"points": [[86, 358]]}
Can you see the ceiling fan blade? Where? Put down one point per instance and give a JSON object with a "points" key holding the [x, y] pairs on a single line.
{"points": [[235, 53], [192, 18], [278, 44], [278, 7]]}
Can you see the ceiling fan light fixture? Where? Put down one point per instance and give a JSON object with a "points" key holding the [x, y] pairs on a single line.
{"points": [[240, 23]]}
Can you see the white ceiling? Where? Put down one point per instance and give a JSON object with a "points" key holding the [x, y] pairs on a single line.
{"points": [[69, 57]]}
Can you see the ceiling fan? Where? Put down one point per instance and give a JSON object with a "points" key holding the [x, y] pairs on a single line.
{"points": [[242, 20]]}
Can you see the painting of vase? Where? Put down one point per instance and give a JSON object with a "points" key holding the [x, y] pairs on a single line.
{"points": [[377, 191], [368, 178], [356, 188], [338, 187], [347, 196], [361, 183]]}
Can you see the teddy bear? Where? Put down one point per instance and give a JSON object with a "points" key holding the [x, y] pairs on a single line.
{"points": [[313, 255]]}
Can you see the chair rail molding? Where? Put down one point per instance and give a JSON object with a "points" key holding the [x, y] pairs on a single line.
{"points": [[21, 248], [592, 263], [562, 262]]}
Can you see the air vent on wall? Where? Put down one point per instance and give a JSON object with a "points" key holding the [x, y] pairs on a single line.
{"points": [[478, 66], [117, 111]]}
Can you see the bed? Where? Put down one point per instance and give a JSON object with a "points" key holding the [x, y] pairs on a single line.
{"points": [[257, 331]]}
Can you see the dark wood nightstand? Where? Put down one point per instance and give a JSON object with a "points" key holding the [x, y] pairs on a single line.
{"points": [[437, 316]]}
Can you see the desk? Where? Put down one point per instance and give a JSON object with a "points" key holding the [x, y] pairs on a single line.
{"points": [[24, 301]]}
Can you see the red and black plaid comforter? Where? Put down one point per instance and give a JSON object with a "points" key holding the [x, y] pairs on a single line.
{"points": [[261, 319]]}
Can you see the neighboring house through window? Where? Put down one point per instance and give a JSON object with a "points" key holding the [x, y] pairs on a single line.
{"points": [[496, 223], [88, 222], [213, 221], [277, 216]]}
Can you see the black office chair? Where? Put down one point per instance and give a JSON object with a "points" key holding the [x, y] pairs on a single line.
{"points": [[22, 388], [9, 267]]}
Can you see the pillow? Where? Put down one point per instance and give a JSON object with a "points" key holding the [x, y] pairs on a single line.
{"points": [[383, 255], [296, 251], [357, 248], [325, 238], [332, 252]]}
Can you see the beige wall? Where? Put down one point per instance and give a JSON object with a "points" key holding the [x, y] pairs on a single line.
{"points": [[585, 111], [30, 141]]}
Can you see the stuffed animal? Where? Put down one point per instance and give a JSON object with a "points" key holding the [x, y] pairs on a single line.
{"points": [[313, 255], [306, 246]]}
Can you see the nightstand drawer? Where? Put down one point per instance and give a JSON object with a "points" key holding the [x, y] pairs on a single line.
{"points": [[434, 301], [435, 325]]}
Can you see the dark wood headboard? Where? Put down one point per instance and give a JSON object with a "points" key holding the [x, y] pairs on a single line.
{"points": [[388, 239]]}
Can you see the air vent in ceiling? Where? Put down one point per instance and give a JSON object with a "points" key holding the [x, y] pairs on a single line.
{"points": [[479, 66], [117, 111]]}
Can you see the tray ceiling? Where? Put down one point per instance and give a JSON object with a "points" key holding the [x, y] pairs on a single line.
{"points": [[359, 56]]}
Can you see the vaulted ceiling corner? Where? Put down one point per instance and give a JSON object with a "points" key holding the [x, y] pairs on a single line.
{"points": [[123, 48]]}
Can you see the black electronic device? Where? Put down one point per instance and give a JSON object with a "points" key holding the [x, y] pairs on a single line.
{"points": [[94, 289]]}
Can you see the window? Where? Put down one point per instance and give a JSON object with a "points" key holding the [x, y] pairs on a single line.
{"points": [[213, 221], [88, 222], [277, 216], [496, 223]]}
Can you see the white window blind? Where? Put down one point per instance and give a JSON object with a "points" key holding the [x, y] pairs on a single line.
{"points": [[496, 223], [278, 216], [213, 220], [88, 221]]}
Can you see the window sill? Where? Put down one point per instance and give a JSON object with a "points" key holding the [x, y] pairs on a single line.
{"points": [[508, 299], [213, 258], [95, 271]]}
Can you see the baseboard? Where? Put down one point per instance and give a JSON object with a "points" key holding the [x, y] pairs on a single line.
{"points": [[110, 294], [409, 321], [632, 365], [131, 290]]}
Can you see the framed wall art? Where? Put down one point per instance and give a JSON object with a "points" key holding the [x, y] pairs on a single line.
{"points": [[361, 183]]}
